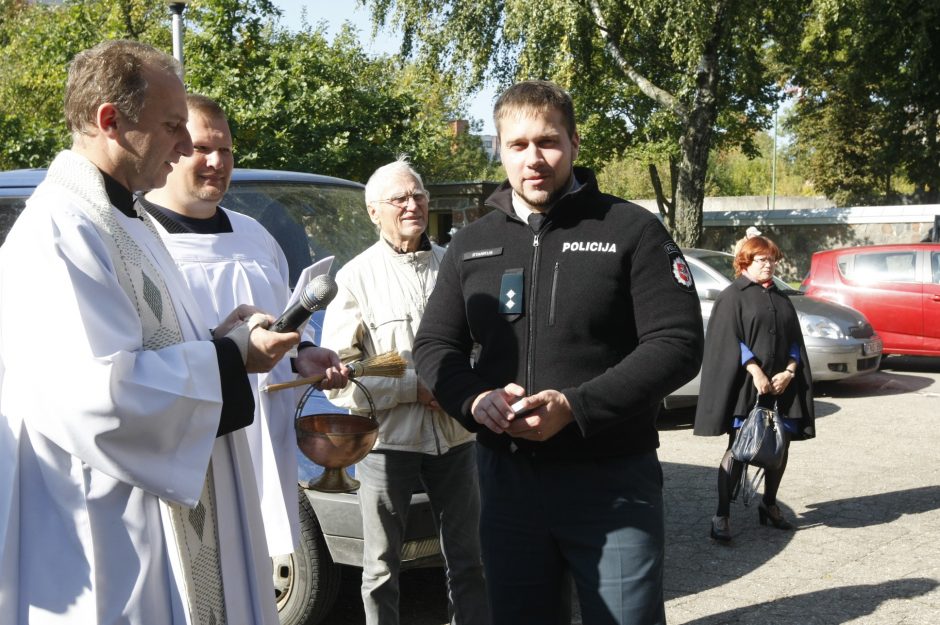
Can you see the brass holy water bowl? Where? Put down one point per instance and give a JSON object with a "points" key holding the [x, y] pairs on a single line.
{"points": [[336, 441]]}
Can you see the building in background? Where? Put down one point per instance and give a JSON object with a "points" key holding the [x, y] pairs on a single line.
{"points": [[490, 146]]}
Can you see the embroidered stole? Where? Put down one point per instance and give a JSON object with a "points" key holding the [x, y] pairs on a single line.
{"points": [[194, 529]]}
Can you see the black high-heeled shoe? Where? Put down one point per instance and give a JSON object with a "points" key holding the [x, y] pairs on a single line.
{"points": [[774, 516], [721, 529]]}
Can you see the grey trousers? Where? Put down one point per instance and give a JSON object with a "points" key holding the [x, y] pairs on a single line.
{"points": [[388, 479]]}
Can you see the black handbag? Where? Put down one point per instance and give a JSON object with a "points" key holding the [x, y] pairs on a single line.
{"points": [[760, 441]]}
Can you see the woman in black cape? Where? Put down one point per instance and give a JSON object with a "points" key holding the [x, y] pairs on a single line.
{"points": [[753, 348]]}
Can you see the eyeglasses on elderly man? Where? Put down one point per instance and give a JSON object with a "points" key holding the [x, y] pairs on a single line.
{"points": [[401, 200]]}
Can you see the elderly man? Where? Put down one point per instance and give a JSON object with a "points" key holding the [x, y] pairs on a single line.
{"points": [[228, 259], [382, 294], [123, 460], [560, 321]]}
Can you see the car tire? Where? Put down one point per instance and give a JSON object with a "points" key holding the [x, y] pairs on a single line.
{"points": [[306, 582]]}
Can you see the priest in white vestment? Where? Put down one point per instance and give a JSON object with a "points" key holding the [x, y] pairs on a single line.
{"points": [[227, 259], [127, 493]]}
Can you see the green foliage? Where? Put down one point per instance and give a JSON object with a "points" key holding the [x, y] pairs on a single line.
{"points": [[665, 79], [731, 172], [627, 178], [295, 100], [734, 172], [867, 116], [36, 43], [22, 148]]}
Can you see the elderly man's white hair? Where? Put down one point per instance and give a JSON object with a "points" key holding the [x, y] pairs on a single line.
{"points": [[385, 172]]}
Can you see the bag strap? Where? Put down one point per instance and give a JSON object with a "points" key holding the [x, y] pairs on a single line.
{"points": [[757, 403], [749, 486]]}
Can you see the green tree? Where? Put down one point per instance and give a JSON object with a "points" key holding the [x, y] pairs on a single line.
{"points": [[36, 43], [657, 78], [867, 116], [732, 172], [295, 100]]}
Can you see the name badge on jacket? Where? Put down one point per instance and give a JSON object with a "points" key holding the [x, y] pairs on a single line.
{"points": [[511, 294]]}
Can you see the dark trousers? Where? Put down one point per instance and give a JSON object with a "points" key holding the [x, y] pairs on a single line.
{"points": [[601, 520]]}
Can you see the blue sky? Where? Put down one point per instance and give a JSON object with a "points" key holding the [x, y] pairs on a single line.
{"points": [[335, 12]]}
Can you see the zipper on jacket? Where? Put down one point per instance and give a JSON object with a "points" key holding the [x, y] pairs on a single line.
{"points": [[552, 301], [530, 335]]}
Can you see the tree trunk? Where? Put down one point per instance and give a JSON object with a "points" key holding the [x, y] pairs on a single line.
{"points": [[696, 141], [932, 194], [693, 167], [690, 191], [667, 208]]}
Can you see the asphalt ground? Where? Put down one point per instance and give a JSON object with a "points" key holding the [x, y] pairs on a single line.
{"points": [[865, 495]]}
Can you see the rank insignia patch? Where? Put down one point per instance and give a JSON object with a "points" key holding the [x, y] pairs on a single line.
{"points": [[511, 293]]}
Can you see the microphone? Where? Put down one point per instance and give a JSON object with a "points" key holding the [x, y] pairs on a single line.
{"points": [[316, 295]]}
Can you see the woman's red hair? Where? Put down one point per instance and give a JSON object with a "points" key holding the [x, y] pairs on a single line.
{"points": [[755, 246]]}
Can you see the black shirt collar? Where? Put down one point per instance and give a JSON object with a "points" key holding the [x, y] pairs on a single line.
{"points": [[120, 197], [175, 223]]}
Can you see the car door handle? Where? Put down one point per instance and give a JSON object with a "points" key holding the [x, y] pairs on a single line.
{"points": [[936, 298]]}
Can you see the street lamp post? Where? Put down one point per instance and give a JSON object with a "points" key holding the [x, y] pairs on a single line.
{"points": [[773, 167], [176, 8]]}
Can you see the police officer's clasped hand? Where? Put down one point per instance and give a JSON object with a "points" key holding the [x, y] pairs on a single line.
{"points": [[550, 413], [492, 409]]}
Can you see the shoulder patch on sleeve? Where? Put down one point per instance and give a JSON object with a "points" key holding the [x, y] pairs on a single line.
{"points": [[680, 269]]}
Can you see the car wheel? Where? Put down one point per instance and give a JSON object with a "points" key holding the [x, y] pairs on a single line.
{"points": [[306, 582]]}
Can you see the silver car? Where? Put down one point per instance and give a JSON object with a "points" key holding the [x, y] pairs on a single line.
{"points": [[840, 342]]}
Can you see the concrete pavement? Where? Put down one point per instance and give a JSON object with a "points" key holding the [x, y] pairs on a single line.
{"points": [[866, 497]]}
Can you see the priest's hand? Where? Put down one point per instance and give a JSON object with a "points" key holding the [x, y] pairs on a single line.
{"points": [[314, 361], [266, 348], [260, 348], [236, 318]]}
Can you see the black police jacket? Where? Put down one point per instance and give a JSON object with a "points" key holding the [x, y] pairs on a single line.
{"points": [[598, 304]]}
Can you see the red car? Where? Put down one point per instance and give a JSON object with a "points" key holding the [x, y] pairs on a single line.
{"points": [[896, 286]]}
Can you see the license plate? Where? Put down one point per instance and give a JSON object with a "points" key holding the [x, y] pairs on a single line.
{"points": [[871, 347]]}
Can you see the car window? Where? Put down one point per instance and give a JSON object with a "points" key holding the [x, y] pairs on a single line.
{"points": [[935, 267], [896, 266], [722, 263], [310, 221], [705, 281], [10, 209]]}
